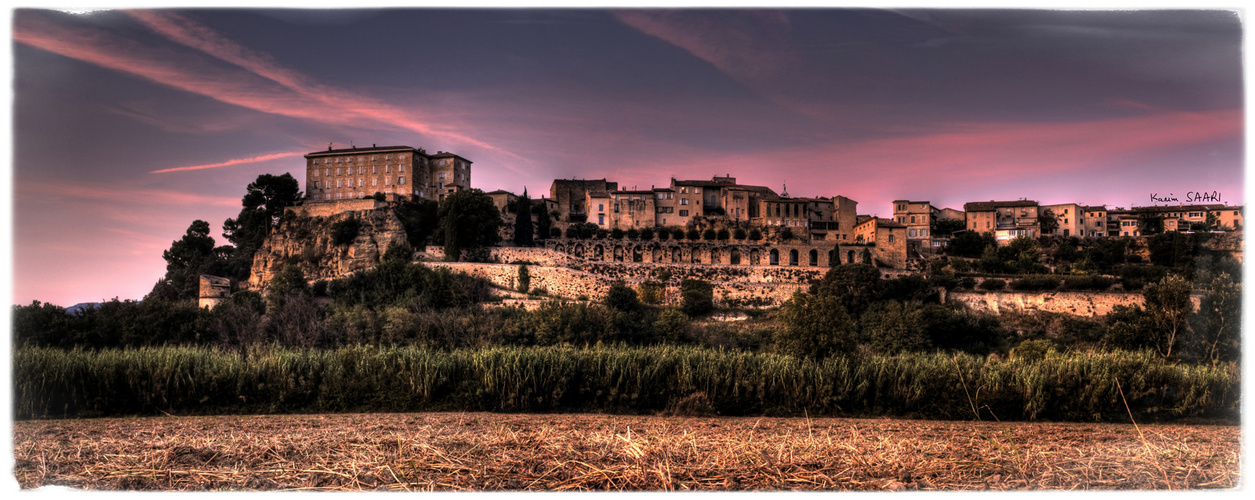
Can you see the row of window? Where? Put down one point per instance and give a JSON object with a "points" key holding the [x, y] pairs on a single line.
{"points": [[360, 159], [360, 182], [374, 169]]}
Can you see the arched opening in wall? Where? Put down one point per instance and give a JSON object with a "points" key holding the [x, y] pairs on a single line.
{"points": [[792, 257], [814, 257], [695, 257], [755, 257], [559, 248], [849, 257], [735, 257], [655, 255], [618, 253], [579, 250], [832, 254], [773, 258], [714, 256], [636, 254], [599, 253]]}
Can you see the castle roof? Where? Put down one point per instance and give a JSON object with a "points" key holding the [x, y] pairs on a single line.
{"points": [[372, 149]]}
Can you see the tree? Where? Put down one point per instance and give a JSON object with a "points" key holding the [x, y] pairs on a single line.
{"points": [[544, 223], [786, 234], [622, 297], [651, 292], [523, 221], [616, 234], [420, 220], [946, 227], [1150, 223], [854, 285], [697, 297], [468, 220], [186, 259], [814, 326], [1219, 320], [836, 256], [263, 205], [1048, 221], [739, 234], [1168, 305], [692, 234], [866, 256], [525, 279], [709, 234], [723, 234], [755, 234], [894, 327]]}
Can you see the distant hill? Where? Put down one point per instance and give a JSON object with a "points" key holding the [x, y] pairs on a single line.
{"points": [[79, 307]]}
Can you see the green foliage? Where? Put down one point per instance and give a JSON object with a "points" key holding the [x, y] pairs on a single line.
{"points": [[697, 297], [344, 231], [786, 234], [57, 383], [1218, 324], [647, 234], [1047, 221], [1032, 350], [1134, 277], [947, 227], [692, 234], [264, 203], [755, 234], [909, 288], [524, 279], [893, 327], [1168, 305], [554, 232], [622, 297], [523, 228], [651, 292], [664, 234], [970, 244], [616, 234], [739, 234], [1035, 283], [420, 219], [722, 234], [678, 233], [967, 282], [709, 234], [633, 233], [1081, 282], [813, 327], [544, 224], [468, 220], [866, 257], [993, 284], [670, 325], [189, 257], [662, 273], [954, 327], [1150, 224], [855, 285]]}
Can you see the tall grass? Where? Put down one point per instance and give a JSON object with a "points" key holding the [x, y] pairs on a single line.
{"points": [[52, 383]]}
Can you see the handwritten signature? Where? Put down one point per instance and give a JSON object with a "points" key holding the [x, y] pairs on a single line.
{"points": [[1190, 197]]}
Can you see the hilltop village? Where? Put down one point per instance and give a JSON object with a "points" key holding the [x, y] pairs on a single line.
{"points": [[754, 245], [763, 226]]}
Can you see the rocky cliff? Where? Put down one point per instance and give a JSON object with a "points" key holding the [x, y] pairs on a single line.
{"points": [[310, 242]]}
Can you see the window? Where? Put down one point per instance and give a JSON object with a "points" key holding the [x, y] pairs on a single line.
{"points": [[338, 171], [911, 233], [387, 169], [601, 207], [401, 180], [315, 172], [912, 219], [891, 238], [684, 213], [374, 169], [315, 184], [374, 181], [684, 189], [923, 232], [697, 190], [315, 162], [374, 158], [337, 182], [386, 180], [327, 173], [360, 182], [601, 219], [441, 175], [684, 201], [389, 157]]}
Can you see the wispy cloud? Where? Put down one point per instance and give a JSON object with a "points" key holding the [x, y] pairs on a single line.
{"points": [[114, 194], [228, 163], [254, 81]]}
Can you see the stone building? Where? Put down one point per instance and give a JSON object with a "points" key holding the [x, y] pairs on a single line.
{"points": [[633, 209], [1007, 220], [1094, 222], [571, 197], [398, 172], [214, 290], [1070, 216], [918, 217], [886, 239]]}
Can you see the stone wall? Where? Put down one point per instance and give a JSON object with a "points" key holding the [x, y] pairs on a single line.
{"points": [[214, 290], [313, 208], [1090, 304], [309, 243], [571, 283]]}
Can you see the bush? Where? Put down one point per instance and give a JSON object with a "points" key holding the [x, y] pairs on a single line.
{"points": [[525, 279], [621, 297], [555, 232], [786, 234], [894, 327], [697, 297], [633, 233], [755, 234], [663, 234], [739, 234], [993, 284], [651, 292], [647, 234], [692, 234], [967, 282], [616, 234], [1035, 283], [345, 231], [814, 327], [1096, 283], [677, 233], [1032, 350]]}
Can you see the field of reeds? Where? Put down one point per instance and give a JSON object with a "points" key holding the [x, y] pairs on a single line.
{"points": [[478, 451], [1083, 387]]}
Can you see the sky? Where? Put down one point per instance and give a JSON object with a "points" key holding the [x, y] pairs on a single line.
{"points": [[129, 125]]}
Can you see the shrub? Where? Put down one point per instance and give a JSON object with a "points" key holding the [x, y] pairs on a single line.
{"points": [[739, 234], [814, 326], [677, 233], [786, 234], [1098, 283], [1032, 350], [894, 327], [555, 232], [967, 282], [621, 297], [651, 292], [345, 231], [525, 279], [692, 234], [755, 234], [647, 234], [697, 297], [616, 234], [1035, 283], [993, 284], [663, 234], [633, 233]]}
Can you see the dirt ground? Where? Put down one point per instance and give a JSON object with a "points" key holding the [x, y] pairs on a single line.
{"points": [[479, 451]]}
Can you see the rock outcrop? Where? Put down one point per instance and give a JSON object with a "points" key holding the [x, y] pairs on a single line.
{"points": [[310, 243]]}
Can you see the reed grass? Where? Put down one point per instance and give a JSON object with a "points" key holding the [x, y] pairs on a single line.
{"points": [[57, 383]]}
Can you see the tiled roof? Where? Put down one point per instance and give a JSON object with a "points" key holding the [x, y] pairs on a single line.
{"points": [[985, 206]]}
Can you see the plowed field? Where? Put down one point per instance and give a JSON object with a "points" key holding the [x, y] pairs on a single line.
{"points": [[478, 451]]}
